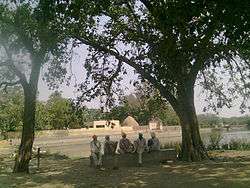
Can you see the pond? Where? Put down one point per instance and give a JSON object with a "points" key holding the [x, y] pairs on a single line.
{"points": [[243, 135], [232, 135]]}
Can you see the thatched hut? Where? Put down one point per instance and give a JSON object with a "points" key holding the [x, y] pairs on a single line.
{"points": [[130, 122]]}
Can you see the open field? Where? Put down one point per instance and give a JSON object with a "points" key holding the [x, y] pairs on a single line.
{"points": [[76, 144], [229, 170]]}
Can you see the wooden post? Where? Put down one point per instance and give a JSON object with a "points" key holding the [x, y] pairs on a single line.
{"points": [[38, 157]]}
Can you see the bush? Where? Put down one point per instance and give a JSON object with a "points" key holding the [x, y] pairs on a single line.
{"points": [[214, 140], [225, 146], [248, 124], [236, 145], [239, 145]]}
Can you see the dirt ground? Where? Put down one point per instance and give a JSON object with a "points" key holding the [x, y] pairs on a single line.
{"points": [[77, 145], [229, 169]]}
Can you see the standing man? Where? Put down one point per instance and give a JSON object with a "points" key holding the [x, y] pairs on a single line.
{"points": [[96, 154], [153, 143], [140, 147]]}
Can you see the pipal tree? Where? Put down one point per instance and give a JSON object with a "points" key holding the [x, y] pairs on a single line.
{"points": [[27, 42], [173, 44]]}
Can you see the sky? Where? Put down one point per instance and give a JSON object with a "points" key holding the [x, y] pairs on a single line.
{"points": [[78, 70]]}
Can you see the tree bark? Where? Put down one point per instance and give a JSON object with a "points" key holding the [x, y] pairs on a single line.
{"points": [[192, 146], [25, 149]]}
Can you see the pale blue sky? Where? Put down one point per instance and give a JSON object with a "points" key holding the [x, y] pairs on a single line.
{"points": [[78, 70]]}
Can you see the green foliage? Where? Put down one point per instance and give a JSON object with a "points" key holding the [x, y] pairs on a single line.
{"points": [[11, 109], [172, 44], [208, 120], [248, 123], [27, 41], [237, 145], [214, 140], [143, 105], [56, 113], [59, 111], [243, 120]]}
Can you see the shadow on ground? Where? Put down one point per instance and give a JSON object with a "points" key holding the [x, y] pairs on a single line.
{"points": [[60, 171]]}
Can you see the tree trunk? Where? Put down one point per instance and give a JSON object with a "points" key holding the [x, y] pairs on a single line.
{"points": [[192, 145], [25, 149]]}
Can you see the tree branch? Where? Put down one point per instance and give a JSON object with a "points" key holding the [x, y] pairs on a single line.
{"points": [[167, 94], [9, 63], [8, 84]]}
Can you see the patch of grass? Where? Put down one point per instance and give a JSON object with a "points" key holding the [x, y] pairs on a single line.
{"points": [[238, 145]]}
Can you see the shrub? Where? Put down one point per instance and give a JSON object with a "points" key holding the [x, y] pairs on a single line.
{"points": [[239, 145], [234, 144], [214, 140]]}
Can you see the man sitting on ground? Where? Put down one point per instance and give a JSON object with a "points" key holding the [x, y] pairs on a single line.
{"points": [[125, 146], [96, 154], [153, 143], [109, 146]]}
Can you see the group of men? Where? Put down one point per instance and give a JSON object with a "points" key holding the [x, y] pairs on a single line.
{"points": [[125, 146]]}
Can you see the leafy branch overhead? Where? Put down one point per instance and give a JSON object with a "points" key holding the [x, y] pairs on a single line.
{"points": [[25, 37], [170, 43]]}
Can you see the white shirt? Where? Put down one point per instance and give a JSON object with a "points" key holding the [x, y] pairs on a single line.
{"points": [[95, 146], [140, 145]]}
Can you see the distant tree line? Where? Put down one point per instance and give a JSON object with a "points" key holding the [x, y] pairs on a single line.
{"points": [[210, 120], [61, 113], [56, 113]]}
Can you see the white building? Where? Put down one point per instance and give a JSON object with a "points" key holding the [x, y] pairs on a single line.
{"points": [[105, 124]]}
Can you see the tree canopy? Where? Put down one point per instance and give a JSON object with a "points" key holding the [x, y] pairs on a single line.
{"points": [[166, 42], [172, 44], [27, 42], [143, 105]]}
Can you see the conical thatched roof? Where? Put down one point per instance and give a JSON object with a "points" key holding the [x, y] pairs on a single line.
{"points": [[130, 122]]}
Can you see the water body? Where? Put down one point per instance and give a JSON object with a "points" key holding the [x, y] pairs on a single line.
{"points": [[243, 135]]}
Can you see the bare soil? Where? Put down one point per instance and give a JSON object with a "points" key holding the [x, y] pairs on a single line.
{"points": [[227, 170]]}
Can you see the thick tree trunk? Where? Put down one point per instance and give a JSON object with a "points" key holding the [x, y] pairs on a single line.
{"points": [[25, 149], [192, 145]]}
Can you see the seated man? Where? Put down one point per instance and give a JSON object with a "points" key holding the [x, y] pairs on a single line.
{"points": [[140, 147], [125, 146], [96, 154], [153, 143], [109, 146]]}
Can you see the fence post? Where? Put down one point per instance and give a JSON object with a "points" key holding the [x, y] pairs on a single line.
{"points": [[38, 157]]}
